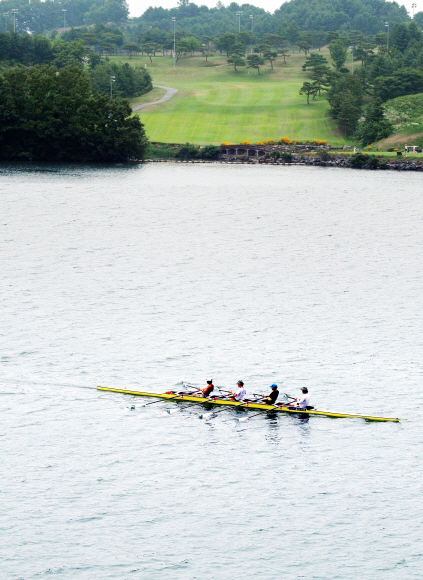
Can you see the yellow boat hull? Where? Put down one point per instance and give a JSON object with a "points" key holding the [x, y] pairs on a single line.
{"points": [[254, 406]]}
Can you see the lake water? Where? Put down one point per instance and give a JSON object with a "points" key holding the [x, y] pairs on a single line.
{"points": [[141, 277]]}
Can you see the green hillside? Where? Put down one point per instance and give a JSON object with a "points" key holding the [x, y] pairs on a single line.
{"points": [[406, 114], [215, 104]]}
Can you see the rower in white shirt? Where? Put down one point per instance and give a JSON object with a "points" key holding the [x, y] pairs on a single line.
{"points": [[304, 401], [240, 393]]}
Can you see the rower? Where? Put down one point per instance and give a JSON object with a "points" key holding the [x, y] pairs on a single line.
{"points": [[304, 400], [272, 398], [240, 393], [209, 389]]}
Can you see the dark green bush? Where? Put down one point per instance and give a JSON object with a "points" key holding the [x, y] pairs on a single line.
{"points": [[359, 160], [209, 152], [187, 151]]}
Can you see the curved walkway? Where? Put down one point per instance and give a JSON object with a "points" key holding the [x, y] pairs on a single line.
{"points": [[166, 97]]}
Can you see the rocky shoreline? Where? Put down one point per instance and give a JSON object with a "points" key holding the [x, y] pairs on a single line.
{"points": [[392, 164]]}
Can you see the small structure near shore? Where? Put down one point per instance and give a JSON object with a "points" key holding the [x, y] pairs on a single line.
{"points": [[257, 150]]}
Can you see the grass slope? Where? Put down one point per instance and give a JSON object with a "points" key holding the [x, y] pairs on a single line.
{"points": [[216, 104], [406, 114]]}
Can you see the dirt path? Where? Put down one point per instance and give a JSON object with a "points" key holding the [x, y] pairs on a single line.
{"points": [[166, 97]]}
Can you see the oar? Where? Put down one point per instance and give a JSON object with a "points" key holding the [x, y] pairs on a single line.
{"points": [[170, 411], [259, 413], [163, 400], [204, 416]]}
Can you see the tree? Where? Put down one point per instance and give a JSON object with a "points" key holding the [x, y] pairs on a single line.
{"points": [[338, 53], [192, 43], [309, 89], [321, 75], [375, 126], [349, 112], [313, 60], [129, 81], [130, 48], [236, 60], [150, 50], [292, 33], [69, 53], [225, 42], [341, 84], [50, 114], [207, 52], [304, 42], [284, 54], [405, 81], [255, 61], [271, 56]]}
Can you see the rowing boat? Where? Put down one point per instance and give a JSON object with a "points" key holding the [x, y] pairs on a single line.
{"points": [[256, 406]]}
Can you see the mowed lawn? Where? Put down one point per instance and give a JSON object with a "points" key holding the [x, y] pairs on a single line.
{"points": [[215, 104]]}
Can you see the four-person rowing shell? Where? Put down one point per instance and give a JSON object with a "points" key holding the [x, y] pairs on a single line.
{"points": [[240, 393]]}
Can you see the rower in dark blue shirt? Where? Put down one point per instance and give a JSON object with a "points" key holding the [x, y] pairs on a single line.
{"points": [[273, 397]]}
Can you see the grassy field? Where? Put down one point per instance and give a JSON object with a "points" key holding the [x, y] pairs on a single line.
{"points": [[216, 104]]}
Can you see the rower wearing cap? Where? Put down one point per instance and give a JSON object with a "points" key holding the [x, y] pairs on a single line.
{"points": [[209, 389], [272, 398], [240, 393], [304, 400]]}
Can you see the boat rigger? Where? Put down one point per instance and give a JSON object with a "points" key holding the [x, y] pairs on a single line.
{"points": [[216, 401]]}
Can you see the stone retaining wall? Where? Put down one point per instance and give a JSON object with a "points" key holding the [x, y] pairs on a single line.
{"points": [[396, 165]]}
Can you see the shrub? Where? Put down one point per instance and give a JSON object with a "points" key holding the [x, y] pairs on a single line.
{"points": [[360, 160], [245, 143], [160, 151], [225, 144], [209, 152], [187, 151], [286, 156], [325, 155], [319, 142], [285, 141]]}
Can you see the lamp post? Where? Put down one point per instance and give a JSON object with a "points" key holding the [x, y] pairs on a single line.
{"points": [[351, 48], [112, 80], [239, 14], [413, 6], [387, 38], [174, 40], [64, 17], [14, 11], [252, 28]]}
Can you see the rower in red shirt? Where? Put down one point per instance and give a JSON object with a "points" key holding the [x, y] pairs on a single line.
{"points": [[209, 389]]}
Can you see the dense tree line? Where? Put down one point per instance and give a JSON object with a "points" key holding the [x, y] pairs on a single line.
{"points": [[50, 114], [29, 50], [365, 16], [41, 16]]}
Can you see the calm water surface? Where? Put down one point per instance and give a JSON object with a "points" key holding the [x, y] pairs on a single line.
{"points": [[141, 277]]}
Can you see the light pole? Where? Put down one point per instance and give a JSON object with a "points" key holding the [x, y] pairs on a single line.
{"points": [[352, 59], [64, 17], [413, 6], [387, 38], [252, 28], [14, 11], [112, 80], [239, 14], [174, 40]]}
